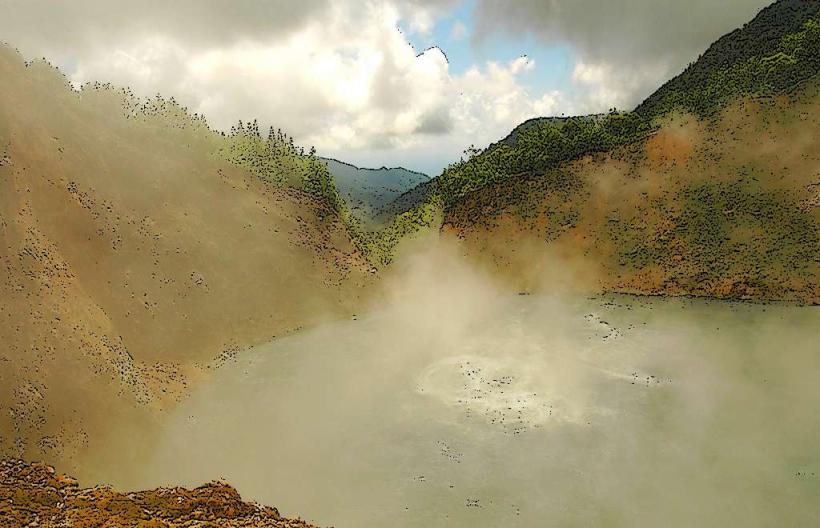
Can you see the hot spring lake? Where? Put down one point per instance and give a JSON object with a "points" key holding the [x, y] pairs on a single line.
{"points": [[613, 411]]}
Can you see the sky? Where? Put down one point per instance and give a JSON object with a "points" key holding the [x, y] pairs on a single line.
{"points": [[376, 83]]}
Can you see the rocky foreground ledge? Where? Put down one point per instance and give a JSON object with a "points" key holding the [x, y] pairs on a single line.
{"points": [[35, 495]]}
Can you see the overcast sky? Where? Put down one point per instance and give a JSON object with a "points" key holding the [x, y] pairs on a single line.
{"points": [[382, 82]]}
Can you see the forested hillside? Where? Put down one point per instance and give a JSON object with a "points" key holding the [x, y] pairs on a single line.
{"points": [[772, 54], [719, 163], [725, 207]]}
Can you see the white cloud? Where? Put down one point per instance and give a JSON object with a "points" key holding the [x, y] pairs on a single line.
{"points": [[340, 74], [344, 79], [551, 104], [605, 85], [422, 14], [590, 73], [324, 83], [459, 31], [493, 100], [521, 64], [626, 48]]}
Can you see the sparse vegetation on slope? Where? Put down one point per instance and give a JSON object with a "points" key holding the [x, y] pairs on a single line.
{"points": [[723, 208], [277, 160], [137, 245], [381, 245]]}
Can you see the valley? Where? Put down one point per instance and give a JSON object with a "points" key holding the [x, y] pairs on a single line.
{"points": [[595, 320]]}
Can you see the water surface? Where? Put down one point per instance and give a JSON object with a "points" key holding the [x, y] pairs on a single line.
{"points": [[611, 411]]}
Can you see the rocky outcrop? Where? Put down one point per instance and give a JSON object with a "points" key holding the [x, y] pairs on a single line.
{"points": [[34, 494]]}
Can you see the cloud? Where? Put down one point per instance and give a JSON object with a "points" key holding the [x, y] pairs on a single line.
{"points": [[338, 75], [341, 75], [521, 64], [459, 31], [605, 85], [82, 24], [626, 48], [496, 95], [423, 13]]}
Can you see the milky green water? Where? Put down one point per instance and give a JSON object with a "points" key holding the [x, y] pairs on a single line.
{"points": [[547, 412]]}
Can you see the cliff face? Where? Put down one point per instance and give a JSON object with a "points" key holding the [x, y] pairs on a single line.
{"points": [[36, 495]]}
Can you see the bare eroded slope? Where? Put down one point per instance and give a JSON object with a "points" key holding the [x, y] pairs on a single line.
{"points": [[132, 255]]}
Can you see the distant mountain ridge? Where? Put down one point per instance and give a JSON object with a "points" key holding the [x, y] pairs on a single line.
{"points": [[407, 200], [366, 191]]}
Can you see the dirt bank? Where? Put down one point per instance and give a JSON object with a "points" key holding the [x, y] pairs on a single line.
{"points": [[34, 494]]}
